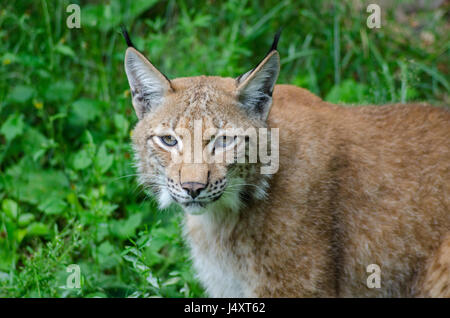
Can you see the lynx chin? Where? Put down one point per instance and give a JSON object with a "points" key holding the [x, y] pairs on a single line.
{"points": [[355, 185]]}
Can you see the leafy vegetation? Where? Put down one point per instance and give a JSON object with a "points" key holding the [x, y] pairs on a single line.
{"points": [[68, 193]]}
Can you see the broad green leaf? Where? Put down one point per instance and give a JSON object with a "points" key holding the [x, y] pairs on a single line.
{"points": [[106, 209], [64, 50], [86, 109], [20, 234], [121, 124], [52, 206], [81, 160], [21, 94], [60, 91], [25, 219], [126, 228], [87, 138], [37, 229], [13, 126], [107, 257], [106, 248], [133, 222], [35, 140], [10, 208], [27, 183], [103, 160]]}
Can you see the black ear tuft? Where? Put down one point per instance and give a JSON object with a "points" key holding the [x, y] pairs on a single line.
{"points": [[126, 36], [272, 48], [275, 41]]}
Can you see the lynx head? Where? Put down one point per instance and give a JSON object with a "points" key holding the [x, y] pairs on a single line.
{"points": [[190, 131]]}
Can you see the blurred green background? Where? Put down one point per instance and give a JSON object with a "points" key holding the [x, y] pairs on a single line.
{"points": [[68, 191]]}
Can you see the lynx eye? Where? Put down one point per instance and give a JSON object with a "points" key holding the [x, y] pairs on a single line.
{"points": [[224, 141], [168, 140]]}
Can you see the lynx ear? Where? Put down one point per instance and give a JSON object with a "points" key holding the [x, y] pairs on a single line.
{"points": [[256, 86], [148, 85]]}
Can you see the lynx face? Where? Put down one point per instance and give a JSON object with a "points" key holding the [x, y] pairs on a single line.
{"points": [[187, 139]]}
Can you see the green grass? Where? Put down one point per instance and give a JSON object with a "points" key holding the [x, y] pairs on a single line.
{"points": [[68, 193]]}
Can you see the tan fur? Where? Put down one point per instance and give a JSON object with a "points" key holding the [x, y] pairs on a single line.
{"points": [[435, 282], [355, 186]]}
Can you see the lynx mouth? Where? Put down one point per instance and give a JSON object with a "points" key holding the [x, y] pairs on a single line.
{"points": [[198, 207], [195, 204], [194, 207]]}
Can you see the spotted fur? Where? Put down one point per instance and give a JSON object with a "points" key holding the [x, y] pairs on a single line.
{"points": [[356, 186]]}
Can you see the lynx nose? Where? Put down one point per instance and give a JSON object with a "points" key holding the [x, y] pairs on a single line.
{"points": [[193, 188]]}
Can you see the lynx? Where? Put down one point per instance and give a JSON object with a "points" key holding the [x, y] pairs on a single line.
{"points": [[355, 185]]}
